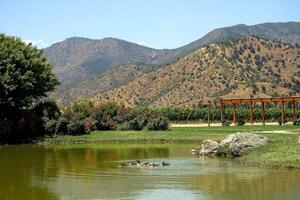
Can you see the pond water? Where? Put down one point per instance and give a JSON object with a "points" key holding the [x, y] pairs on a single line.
{"points": [[93, 172]]}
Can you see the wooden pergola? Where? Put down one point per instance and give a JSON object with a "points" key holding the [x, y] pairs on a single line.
{"points": [[235, 101]]}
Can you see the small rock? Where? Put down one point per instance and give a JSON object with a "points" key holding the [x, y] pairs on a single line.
{"points": [[209, 148]]}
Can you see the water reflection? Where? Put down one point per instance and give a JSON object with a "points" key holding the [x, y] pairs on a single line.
{"points": [[92, 172]]}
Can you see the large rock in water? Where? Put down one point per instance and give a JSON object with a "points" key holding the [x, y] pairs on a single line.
{"points": [[207, 148], [239, 143]]}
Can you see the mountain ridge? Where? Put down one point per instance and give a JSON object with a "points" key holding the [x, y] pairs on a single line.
{"points": [[77, 59], [249, 67]]}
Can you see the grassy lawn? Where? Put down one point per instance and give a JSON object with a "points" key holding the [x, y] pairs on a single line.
{"points": [[282, 150], [179, 135]]}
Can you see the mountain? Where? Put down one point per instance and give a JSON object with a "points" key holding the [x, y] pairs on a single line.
{"points": [[288, 32], [78, 59], [81, 62], [110, 79], [248, 67]]}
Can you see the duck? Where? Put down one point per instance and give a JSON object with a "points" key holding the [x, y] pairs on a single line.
{"points": [[145, 164], [123, 164], [155, 165], [165, 164], [137, 162]]}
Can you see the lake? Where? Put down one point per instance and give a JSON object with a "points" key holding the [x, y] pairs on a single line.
{"points": [[92, 172]]}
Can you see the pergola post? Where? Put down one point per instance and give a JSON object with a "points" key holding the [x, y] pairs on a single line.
{"points": [[263, 112], [234, 113], [294, 111], [282, 112], [222, 111], [208, 115], [251, 112]]}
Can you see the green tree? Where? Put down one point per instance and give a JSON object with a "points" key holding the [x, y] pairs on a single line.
{"points": [[25, 77], [25, 74]]}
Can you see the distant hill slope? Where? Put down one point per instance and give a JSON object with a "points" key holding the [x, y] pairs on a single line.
{"points": [[110, 79], [78, 59], [288, 32], [81, 60], [248, 67]]}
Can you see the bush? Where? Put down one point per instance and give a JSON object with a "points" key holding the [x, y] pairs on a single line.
{"points": [[61, 126], [106, 124], [280, 121], [47, 109], [50, 126], [89, 125], [158, 124], [240, 122], [164, 124], [137, 124], [297, 122], [226, 123], [6, 127], [76, 128], [124, 126]]}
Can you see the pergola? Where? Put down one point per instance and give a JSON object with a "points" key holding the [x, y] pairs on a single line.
{"points": [[235, 101]]}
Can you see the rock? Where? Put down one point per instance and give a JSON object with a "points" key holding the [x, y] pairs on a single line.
{"points": [[209, 148], [197, 150], [227, 140], [233, 145], [239, 143]]}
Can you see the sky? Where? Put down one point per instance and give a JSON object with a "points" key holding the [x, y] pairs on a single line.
{"points": [[153, 23]]}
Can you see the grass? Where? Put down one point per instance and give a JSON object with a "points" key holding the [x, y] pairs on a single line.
{"points": [[282, 150]]}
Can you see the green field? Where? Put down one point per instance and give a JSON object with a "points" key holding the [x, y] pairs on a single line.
{"points": [[283, 149]]}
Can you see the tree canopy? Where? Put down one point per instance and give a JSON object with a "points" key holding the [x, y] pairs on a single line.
{"points": [[25, 74]]}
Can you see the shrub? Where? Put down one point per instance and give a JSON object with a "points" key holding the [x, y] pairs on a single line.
{"points": [[226, 123], [76, 128], [152, 125], [240, 122], [163, 124], [280, 121], [137, 124], [124, 126], [47, 109], [78, 111], [89, 124], [297, 122], [26, 126], [50, 126], [106, 124], [158, 124], [61, 126], [5, 129]]}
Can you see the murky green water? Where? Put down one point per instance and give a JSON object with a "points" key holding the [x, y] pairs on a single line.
{"points": [[92, 172]]}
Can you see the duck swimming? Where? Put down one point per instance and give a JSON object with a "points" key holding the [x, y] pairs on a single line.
{"points": [[123, 164], [165, 164], [137, 162]]}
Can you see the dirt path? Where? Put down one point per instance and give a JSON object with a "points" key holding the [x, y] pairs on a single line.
{"points": [[219, 124]]}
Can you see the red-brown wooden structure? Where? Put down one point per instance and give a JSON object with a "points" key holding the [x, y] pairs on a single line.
{"points": [[235, 101]]}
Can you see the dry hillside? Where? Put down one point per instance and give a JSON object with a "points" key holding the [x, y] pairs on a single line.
{"points": [[249, 67], [110, 79]]}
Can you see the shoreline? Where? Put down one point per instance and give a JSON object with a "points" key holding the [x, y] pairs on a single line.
{"points": [[282, 151]]}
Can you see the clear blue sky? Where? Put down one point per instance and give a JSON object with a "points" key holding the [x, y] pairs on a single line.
{"points": [[153, 23]]}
